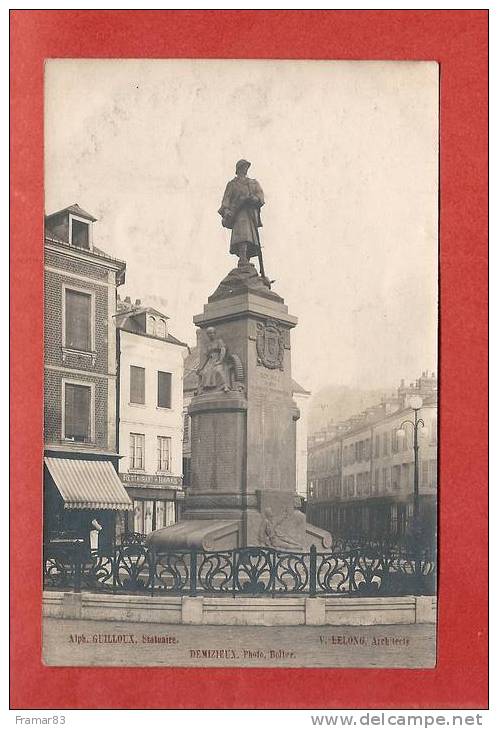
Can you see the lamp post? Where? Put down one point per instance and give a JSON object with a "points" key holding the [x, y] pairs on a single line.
{"points": [[415, 403]]}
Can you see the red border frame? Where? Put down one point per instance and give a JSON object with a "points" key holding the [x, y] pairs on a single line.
{"points": [[458, 40]]}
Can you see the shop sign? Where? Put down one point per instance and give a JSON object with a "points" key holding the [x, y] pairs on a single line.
{"points": [[151, 479]]}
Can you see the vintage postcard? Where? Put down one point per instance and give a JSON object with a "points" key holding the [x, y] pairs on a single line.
{"points": [[241, 357], [248, 300]]}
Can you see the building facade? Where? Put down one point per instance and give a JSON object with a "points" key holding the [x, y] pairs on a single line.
{"points": [[361, 475], [150, 417], [301, 398], [80, 468]]}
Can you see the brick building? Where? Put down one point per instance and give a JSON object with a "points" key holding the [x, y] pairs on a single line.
{"points": [[361, 475], [150, 426], [80, 473]]}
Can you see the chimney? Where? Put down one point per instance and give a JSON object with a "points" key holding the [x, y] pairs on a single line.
{"points": [[127, 300], [138, 302]]}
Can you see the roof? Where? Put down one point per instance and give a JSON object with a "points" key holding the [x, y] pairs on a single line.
{"points": [[124, 321], [97, 252], [88, 484], [136, 310], [75, 210], [296, 387]]}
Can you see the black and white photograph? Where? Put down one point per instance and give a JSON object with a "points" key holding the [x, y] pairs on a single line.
{"points": [[240, 363]]}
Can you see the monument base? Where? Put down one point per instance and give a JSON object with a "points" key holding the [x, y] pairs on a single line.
{"points": [[287, 531], [210, 535]]}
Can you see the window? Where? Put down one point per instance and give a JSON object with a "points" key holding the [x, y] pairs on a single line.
{"points": [[405, 439], [137, 385], [336, 487], [351, 485], [165, 513], [152, 514], [395, 477], [78, 320], [364, 483], [405, 477], [394, 440], [80, 233], [330, 489], [77, 412], [137, 451], [164, 389], [385, 444], [377, 446], [163, 453], [161, 328], [186, 427]]}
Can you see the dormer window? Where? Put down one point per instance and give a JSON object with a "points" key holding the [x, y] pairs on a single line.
{"points": [[161, 328], [71, 225], [80, 232]]}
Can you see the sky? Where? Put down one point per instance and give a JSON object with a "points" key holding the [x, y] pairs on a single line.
{"points": [[346, 153]]}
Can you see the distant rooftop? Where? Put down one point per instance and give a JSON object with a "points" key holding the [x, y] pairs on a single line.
{"points": [[425, 386], [144, 320]]}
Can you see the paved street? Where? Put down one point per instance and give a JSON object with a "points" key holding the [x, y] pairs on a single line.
{"points": [[104, 643]]}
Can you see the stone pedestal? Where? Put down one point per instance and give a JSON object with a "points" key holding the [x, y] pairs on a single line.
{"points": [[243, 468]]}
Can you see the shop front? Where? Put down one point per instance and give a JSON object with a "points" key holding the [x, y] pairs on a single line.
{"points": [[157, 501], [80, 492]]}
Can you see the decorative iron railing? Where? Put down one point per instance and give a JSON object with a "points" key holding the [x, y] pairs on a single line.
{"points": [[244, 571]]}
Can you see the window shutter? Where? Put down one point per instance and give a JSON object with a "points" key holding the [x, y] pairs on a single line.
{"points": [[77, 412], [78, 320], [137, 385], [164, 389]]}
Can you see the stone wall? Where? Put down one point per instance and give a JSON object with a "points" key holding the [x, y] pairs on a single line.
{"points": [[242, 610]]}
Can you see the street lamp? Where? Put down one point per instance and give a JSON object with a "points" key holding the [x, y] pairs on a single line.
{"points": [[415, 403]]}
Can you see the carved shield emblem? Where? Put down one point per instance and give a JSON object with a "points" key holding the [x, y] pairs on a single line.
{"points": [[270, 345]]}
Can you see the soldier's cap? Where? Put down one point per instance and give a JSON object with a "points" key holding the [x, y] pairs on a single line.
{"points": [[242, 163]]}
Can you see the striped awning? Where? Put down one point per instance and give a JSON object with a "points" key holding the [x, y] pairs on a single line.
{"points": [[88, 484]]}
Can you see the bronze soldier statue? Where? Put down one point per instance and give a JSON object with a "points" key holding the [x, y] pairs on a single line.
{"points": [[240, 211]]}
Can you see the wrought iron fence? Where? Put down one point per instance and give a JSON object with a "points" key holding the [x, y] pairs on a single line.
{"points": [[366, 571]]}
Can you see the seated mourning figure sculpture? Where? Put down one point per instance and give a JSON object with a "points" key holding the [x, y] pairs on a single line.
{"points": [[219, 369]]}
